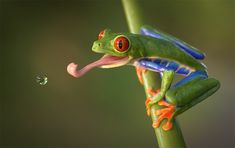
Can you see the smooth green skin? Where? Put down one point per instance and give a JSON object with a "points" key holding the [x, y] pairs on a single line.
{"points": [[144, 46]]}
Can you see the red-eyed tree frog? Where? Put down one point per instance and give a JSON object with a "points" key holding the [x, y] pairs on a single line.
{"points": [[157, 51]]}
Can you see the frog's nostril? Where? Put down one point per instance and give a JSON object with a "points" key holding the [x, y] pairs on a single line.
{"points": [[96, 46]]}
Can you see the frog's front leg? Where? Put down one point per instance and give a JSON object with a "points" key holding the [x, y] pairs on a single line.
{"points": [[185, 94], [159, 94], [167, 77], [167, 74]]}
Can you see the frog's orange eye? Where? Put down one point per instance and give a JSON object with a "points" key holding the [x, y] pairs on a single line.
{"points": [[101, 34], [121, 44]]}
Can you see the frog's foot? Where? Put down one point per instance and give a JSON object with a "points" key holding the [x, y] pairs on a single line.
{"points": [[164, 113], [148, 108], [139, 72], [152, 93]]}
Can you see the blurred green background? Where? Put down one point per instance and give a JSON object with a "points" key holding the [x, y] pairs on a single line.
{"points": [[105, 108]]}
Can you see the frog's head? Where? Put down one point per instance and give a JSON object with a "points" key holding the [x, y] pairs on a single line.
{"points": [[118, 48]]}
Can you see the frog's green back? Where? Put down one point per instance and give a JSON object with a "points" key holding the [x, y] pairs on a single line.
{"points": [[156, 33], [163, 49]]}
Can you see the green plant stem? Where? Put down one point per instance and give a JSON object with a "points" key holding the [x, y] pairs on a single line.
{"points": [[166, 139]]}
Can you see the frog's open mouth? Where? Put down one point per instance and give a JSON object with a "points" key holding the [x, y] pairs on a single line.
{"points": [[107, 61]]}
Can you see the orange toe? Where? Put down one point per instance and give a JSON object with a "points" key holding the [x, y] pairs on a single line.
{"points": [[148, 112], [151, 92], [167, 126], [139, 72], [164, 103], [165, 113], [146, 104], [155, 124], [147, 101]]}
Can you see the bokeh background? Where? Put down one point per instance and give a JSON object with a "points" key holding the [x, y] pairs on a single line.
{"points": [[105, 108]]}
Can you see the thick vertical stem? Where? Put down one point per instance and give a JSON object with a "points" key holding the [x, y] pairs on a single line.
{"points": [[166, 139]]}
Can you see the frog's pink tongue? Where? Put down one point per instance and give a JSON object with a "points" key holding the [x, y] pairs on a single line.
{"points": [[105, 60]]}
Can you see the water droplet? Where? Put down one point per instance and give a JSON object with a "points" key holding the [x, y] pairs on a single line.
{"points": [[41, 79]]}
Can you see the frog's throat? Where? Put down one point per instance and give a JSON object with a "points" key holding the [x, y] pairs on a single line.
{"points": [[107, 61]]}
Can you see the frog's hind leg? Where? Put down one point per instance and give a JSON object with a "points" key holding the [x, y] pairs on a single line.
{"points": [[186, 93], [191, 90]]}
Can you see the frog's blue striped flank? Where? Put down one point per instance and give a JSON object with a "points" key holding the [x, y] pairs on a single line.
{"points": [[183, 71], [180, 44], [150, 64], [159, 65], [192, 75], [172, 65]]}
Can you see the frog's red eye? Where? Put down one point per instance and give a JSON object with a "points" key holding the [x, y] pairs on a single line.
{"points": [[101, 34], [121, 44]]}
